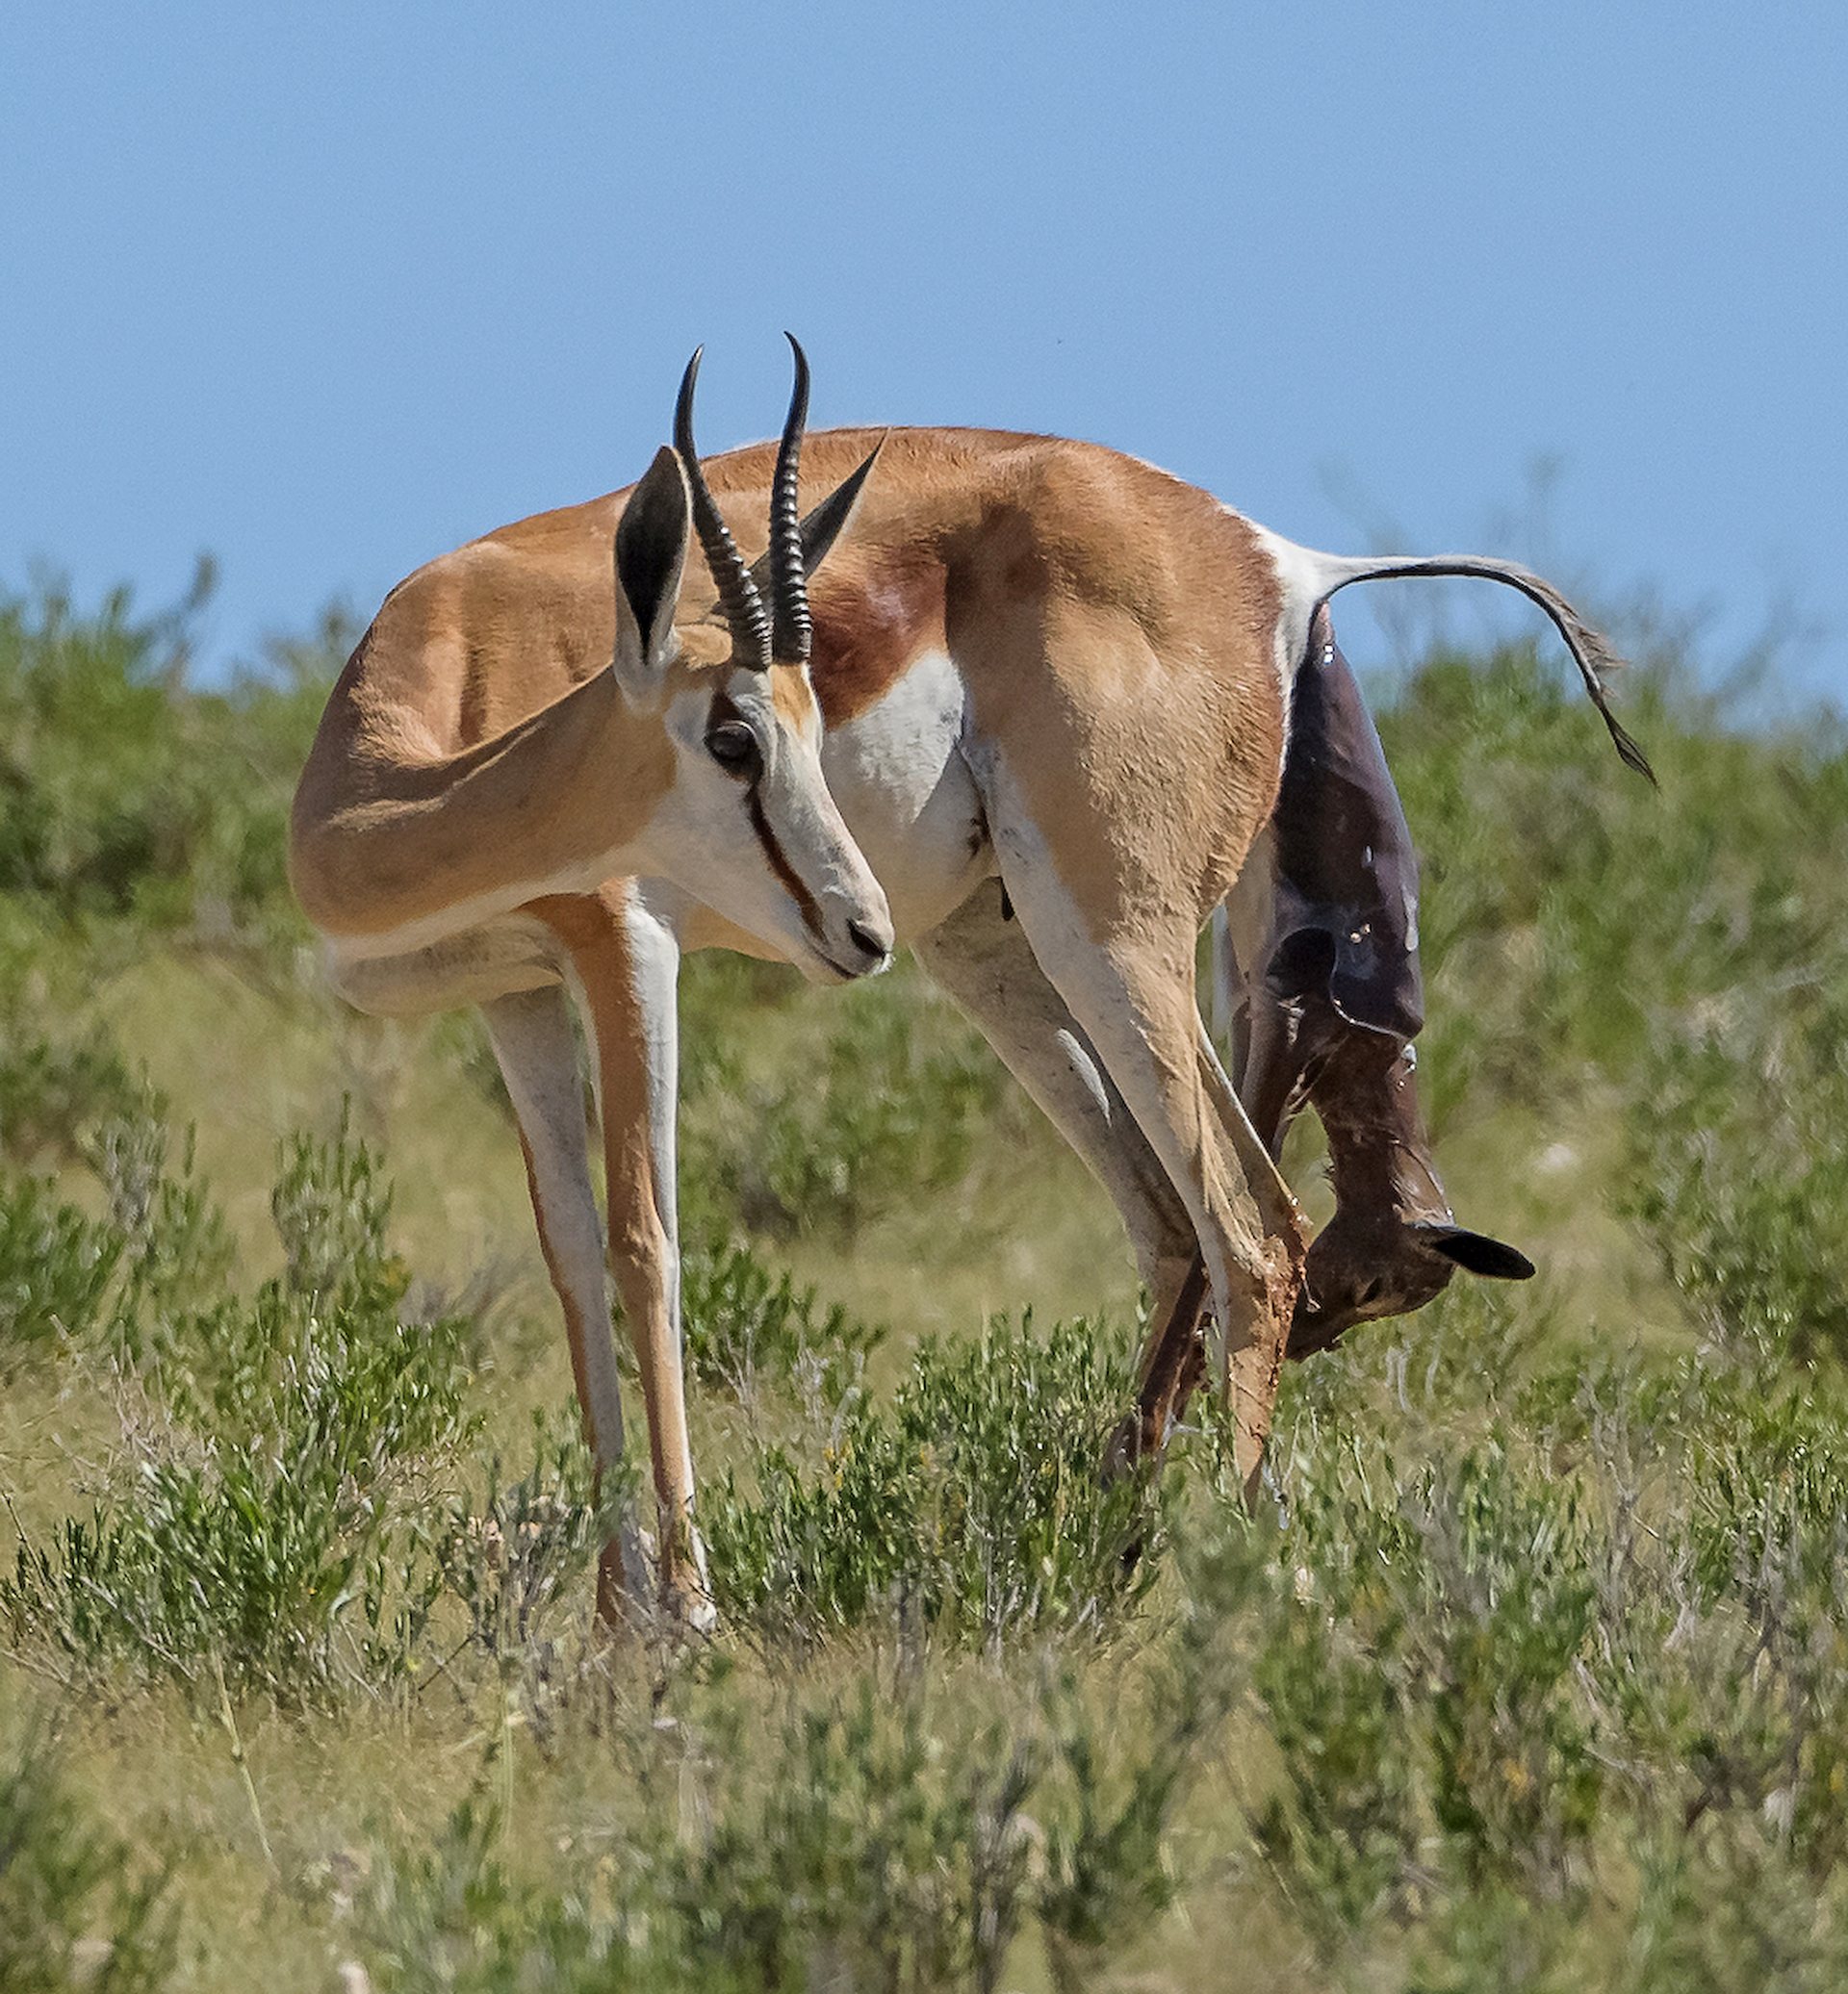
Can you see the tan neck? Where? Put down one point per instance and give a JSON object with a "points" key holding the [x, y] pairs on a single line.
{"points": [[382, 841]]}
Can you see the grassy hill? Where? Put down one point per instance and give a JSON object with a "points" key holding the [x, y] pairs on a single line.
{"points": [[1532, 1675]]}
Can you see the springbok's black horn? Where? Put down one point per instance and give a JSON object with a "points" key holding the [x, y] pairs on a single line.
{"points": [[738, 595], [792, 633], [822, 526]]}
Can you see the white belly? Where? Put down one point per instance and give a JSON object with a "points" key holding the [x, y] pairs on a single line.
{"points": [[492, 960], [898, 775]]}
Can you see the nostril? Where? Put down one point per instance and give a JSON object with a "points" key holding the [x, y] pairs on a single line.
{"points": [[868, 939]]}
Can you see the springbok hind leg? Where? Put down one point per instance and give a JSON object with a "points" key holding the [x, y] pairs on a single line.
{"points": [[1175, 1365], [1131, 987], [533, 1041], [982, 958], [985, 962]]}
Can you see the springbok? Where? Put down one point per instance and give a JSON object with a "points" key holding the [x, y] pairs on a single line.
{"points": [[1055, 687], [480, 786]]}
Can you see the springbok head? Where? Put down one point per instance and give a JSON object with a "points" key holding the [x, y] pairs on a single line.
{"points": [[747, 826]]}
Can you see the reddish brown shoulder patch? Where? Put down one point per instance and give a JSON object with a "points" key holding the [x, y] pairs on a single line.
{"points": [[871, 622]]}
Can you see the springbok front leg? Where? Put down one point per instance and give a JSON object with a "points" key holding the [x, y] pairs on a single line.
{"points": [[625, 964], [533, 1040]]}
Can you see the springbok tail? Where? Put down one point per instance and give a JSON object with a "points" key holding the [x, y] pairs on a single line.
{"points": [[1590, 651]]}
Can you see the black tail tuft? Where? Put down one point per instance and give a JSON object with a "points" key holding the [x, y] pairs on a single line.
{"points": [[1632, 755]]}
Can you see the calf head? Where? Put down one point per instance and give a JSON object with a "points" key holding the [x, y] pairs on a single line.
{"points": [[1392, 1245]]}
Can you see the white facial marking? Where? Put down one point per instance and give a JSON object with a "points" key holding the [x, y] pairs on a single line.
{"points": [[763, 845]]}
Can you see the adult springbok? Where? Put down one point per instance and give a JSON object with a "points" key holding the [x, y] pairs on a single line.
{"points": [[1055, 686]]}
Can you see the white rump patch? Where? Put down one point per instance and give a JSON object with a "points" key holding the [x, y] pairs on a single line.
{"points": [[1302, 576]]}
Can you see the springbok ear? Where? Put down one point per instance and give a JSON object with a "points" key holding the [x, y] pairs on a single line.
{"points": [[1475, 1253], [827, 523], [650, 552]]}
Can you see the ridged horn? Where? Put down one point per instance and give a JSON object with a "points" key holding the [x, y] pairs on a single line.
{"points": [[738, 595], [791, 631], [822, 526]]}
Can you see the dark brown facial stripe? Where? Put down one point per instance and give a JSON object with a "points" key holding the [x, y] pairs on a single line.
{"points": [[784, 870], [724, 712]]}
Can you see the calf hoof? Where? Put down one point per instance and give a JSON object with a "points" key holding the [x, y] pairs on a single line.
{"points": [[1123, 1451]]}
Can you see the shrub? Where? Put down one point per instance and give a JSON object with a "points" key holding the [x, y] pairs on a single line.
{"points": [[975, 1503], [77, 1907], [176, 1250], [522, 1550], [112, 793], [1739, 1178], [888, 1110], [55, 1267], [744, 1324], [269, 1528], [54, 1089], [1568, 907], [126, 1279], [881, 1836], [1531, 1645]]}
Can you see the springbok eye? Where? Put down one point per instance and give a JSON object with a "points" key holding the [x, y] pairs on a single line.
{"points": [[734, 748]]}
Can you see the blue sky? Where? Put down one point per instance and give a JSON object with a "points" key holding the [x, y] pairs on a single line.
{"points": [[327, 290]]}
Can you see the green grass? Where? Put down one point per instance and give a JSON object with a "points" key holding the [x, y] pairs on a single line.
{"points": [[1533, 1673]]}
